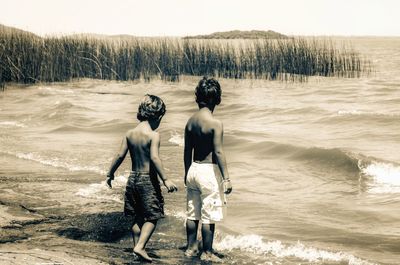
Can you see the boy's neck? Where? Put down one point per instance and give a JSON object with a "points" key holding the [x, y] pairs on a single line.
{"points": [[148, 125], [207, 108]]}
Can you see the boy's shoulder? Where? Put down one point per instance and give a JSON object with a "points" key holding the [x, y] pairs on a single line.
{"points": [[130, 132], [217, 124], [138, 133], [208, 122]]}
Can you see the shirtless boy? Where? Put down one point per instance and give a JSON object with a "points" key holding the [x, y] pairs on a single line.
{"points": [[206, 174], [143, 199]]}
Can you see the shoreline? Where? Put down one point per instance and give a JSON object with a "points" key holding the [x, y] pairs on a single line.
{"points": [[39, 235]]}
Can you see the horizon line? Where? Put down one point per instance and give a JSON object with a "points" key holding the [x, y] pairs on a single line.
{"points": [[62, 34]]}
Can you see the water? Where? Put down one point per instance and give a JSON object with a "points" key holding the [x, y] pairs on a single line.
{"points": [[315, 168]]}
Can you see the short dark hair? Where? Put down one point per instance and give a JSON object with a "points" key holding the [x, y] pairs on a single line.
{"points": [[151, 108], [208, 92]]}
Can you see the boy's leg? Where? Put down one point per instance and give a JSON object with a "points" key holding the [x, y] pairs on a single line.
{"points": [[145, 234], [211, 210], [191, 234], [193, 208], [207, 233], [136, 229]]}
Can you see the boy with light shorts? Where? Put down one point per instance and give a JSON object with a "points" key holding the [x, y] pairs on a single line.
{"points": [[206, 175]]}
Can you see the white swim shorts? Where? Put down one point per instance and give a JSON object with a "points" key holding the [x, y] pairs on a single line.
{"points": [[205, 196]]}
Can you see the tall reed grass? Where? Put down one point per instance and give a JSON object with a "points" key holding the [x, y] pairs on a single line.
{"points": [[27, 58]]}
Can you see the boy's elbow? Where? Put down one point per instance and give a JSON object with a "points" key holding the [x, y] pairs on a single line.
{"points": [[154, 158], [219, 153], [120, 156]]}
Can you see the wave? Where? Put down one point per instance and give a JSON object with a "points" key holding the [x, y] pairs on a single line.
{"points": [[107, 126], [100, 191], [24, 100], [368, 115], [66, 105], [8, 124], [111, 93], [45, 91], [255, 244], [381, 176], [63, 110], [335, 157], [230, 243], [385, 175], [56, 162], [177, 139], [321, 157]]}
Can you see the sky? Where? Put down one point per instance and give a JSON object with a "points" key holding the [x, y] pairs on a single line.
{"points": [[193, 17]]}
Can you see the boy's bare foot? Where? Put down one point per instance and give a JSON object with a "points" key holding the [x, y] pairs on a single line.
{"points": [[210, 257], [219, 255], [142, 253], [135, 257], [191, 252]]}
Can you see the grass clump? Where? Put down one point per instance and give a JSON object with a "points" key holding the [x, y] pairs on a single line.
{"points": [[27, 58]]}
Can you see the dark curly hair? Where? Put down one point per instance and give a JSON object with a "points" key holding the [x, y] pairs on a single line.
{"points": [[208, 92], [151, 108]]}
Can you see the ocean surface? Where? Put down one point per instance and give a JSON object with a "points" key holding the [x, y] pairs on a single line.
{"points": [[315, 168]]}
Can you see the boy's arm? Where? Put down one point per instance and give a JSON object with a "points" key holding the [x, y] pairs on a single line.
{"points": [[220, 156], [155, 159], [187, 153], [116, 162]]}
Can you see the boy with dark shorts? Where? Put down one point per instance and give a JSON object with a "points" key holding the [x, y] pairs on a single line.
{"points": [[143, 199], [206, 175]]}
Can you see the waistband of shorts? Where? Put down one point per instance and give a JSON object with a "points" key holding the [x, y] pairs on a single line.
{"points": [[198, 164], [139, 174]]}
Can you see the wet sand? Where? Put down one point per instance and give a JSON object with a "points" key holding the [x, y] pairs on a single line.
{"points": [[30, 236]]}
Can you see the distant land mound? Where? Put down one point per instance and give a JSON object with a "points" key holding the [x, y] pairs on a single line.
{"points": [[9, 30], [240, 34], [234, 34]]}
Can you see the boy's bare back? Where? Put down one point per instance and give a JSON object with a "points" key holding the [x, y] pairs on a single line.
{"points": [[143, 143], [139, 142], [204, 133], [201, 130]]}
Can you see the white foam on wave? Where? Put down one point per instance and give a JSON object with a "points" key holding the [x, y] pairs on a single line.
{"points": [[255, 244], [350, 112], [386, 177], [56, 162], [180, 215], [12, 124], [100, 190], [44, 88], [370, 113], [177, 139], [52, 90]]}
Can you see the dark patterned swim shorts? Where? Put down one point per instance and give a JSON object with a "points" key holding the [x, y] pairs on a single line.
{"points": [[143, 197]]}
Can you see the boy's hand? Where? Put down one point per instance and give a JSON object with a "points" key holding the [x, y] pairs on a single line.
{"points": [[171, 187], [108, 182], [227, 186]]}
